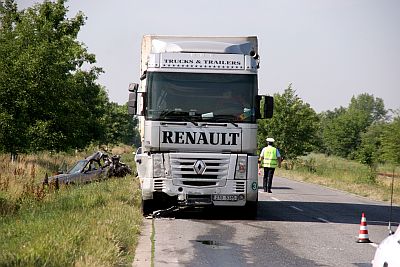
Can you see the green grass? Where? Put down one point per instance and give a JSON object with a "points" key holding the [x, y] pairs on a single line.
{"points": [[346, 175], [90, 225]]}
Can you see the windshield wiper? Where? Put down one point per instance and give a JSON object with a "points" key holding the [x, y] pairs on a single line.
{"points": [[225, 118], [189, 120], [177, 114]]}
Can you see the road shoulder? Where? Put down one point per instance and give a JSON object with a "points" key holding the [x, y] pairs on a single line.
{"points": [[143, 249]]}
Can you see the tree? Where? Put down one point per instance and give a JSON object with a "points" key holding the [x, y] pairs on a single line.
{"points": [[373, 108], [342, 133], [47, 99], [119, 126], [294, 125], [390, 141], [326, 119], [9, 127], [369, 151]]}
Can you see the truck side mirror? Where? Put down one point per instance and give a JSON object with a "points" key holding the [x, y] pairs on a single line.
{"points": [[133, 87], [258, 106], [268, 107], [132, 102]]}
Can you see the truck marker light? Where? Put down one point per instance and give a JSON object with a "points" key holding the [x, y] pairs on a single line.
{"points": [[242, 167]]}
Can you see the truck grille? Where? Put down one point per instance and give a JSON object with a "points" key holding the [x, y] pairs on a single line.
{"points": [[199, 170]]}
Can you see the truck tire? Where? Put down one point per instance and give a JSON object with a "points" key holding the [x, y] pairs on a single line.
{"points": [[251, 209], [147, 206]]}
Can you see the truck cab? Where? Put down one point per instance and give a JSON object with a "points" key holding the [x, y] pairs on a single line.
{"points": [[198, 106]]}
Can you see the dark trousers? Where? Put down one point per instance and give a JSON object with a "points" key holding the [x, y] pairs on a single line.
{"points": [[268, 176]]}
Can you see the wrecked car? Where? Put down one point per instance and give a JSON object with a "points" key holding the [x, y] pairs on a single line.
{"points": [[97, 166]]}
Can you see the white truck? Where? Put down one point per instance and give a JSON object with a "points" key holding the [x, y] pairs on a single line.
{"points": [[197, 105]]}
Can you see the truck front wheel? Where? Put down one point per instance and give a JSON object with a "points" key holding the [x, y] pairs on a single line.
{"points": [[147, 206], [251, 209]]}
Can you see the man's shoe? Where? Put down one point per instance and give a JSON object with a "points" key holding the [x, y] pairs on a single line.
{"points": [[269, 191]]}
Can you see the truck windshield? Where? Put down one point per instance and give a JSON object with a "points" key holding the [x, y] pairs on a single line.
{"points": [[201, 97]]}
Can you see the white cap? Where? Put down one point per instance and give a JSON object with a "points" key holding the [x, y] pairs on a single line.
{"points": [[271, 140]]}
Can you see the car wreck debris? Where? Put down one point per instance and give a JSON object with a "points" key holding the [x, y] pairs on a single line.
{"points": [[96, 167]]}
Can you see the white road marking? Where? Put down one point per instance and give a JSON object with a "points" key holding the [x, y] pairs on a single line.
{"points": [[296, 208], [323, 220], [274, 198]]}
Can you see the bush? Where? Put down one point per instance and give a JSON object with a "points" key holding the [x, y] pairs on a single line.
{"points": [[95, 224]]}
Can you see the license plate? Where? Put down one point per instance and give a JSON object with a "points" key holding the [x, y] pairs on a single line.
{"points": [[225, 197]]}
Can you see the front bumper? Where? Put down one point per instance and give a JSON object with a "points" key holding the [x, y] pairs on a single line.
{"points": [[234, 193]]}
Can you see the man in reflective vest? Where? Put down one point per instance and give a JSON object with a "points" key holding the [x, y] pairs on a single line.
{"points": [[270, 158]]}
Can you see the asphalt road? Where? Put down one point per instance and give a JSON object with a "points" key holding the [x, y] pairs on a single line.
{"points": [[299, 224]]}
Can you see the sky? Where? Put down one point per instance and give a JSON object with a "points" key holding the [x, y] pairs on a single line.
{"points": [[330, 50]]}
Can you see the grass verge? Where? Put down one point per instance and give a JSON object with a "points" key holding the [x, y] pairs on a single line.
{"points": [[90, 225], [345, 175]]}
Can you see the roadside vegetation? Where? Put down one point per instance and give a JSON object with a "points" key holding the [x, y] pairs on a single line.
{"points": [[49, 95], [50, 101], [53, 112], [346, 175], [354, 148], [90, 225]]}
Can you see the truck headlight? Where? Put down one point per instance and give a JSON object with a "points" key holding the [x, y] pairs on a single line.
{"points": [[157, 165], [241, 167]]}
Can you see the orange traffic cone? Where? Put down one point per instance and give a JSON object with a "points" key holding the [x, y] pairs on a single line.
{"points": [[363, 233]]}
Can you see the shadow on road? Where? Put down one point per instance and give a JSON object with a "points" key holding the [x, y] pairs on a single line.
{"points": [[296, 211], [348, 213]]}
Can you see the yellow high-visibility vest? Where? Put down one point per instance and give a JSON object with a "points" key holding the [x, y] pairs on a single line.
{"points": [[270, 158]]}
